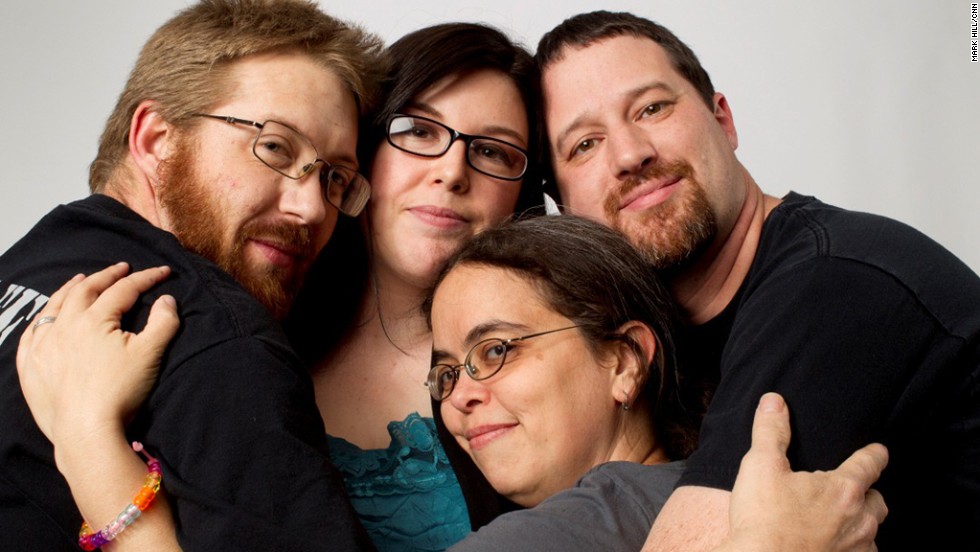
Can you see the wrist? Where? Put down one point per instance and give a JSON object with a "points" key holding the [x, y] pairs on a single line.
{"points": [[76, 447], [744, 541]]}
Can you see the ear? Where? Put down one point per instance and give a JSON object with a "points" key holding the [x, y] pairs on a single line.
{"points": [[633, 368], [150, 138], [723, 114]]}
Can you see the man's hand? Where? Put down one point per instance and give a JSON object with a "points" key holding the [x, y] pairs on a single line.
{"points": [[775, 508]]}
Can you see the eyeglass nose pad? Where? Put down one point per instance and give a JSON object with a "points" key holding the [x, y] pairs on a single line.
{"points": [[307, 169]]}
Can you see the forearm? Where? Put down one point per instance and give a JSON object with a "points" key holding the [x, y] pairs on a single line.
{"points": [[105, 474], [694, 519]]}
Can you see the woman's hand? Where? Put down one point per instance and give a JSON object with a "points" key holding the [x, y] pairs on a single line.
{"points": [[803, 511], [80, 372]]}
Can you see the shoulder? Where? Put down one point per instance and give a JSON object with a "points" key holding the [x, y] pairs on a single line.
{"points": [[620, 500], [806, 240], [95, 232], [648, 486]]}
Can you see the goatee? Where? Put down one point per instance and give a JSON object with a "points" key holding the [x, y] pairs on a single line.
{"points": [[669, 235]]}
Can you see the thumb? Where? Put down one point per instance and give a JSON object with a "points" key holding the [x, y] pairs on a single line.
{"points": [[770, 430]]}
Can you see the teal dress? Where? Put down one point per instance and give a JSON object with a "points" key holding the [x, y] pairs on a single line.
{"points": [[407, 495]]}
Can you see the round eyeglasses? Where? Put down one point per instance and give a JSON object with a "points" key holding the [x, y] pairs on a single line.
{"points": [[429, 138], [483, 360], [291, 154]]}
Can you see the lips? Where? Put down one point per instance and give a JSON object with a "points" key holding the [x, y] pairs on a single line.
{"points": [[481, 436], [279, 253], [438, 216], [650, 192]]}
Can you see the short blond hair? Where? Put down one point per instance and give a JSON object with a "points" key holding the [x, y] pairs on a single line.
{"points": [[184, 65]]}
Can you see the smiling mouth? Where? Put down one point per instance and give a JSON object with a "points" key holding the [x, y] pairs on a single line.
{"points": [[481, 436], [279, 254], [647, 194], [438, 216]]}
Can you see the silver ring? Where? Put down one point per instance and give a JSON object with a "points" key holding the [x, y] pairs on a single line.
{"points": [[44, 320]]}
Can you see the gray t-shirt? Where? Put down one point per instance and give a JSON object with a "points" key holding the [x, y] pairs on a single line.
{"points": [[611, 508]]}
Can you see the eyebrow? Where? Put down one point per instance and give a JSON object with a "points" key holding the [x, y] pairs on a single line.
{"points": [[586, 116], [343, 159], [478, 333], [485, 131]]}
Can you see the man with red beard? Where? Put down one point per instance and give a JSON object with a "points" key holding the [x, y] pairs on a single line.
{"points": [[227, 158], [870, 330]]}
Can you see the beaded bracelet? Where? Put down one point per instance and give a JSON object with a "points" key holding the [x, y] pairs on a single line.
{"points": [[88, 540]]}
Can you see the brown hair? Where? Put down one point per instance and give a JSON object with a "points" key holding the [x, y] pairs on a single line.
{"points": [[584, 29], [592, 275], [184, 65]]}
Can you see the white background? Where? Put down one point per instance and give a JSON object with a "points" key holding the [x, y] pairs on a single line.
{"points": [[870, 105]]}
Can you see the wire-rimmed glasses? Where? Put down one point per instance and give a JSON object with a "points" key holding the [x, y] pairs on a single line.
{"points": [[291, 154], [483, 360]]}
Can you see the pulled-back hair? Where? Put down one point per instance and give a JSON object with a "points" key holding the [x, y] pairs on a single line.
{"points": [[591, 275], [584, 29], [184, 65]]}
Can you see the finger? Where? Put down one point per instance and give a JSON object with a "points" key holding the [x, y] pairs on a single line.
{"points": [[120, 297], [876, 505], [866, 464], [770, 429], [83, 294], [57, 299], [161, 326], [50, 309]]}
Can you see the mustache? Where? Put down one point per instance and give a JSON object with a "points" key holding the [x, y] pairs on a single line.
{"points": [[659, 170]]}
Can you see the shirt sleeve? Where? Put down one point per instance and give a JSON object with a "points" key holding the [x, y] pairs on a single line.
{"points": [[243, 452], [848, 346]]}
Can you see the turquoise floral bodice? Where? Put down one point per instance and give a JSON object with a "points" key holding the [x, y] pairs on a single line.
{"points": [[406, 495]]}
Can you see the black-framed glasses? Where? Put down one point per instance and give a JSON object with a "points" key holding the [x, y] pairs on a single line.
{"points": [[429, 138], [287, 151], [483, 360]]}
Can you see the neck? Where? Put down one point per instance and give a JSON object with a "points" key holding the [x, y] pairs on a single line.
{"points": [[705, 288], [638, 441], [391, 311], [136, 194]]}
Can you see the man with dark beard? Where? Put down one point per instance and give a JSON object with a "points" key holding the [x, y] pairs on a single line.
{"points": [[868, 328], [227, 158]]}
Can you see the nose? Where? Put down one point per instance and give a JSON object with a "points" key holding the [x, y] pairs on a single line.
{"points": [[468, 394], [303, 199], [631, 151], [451, 169]]}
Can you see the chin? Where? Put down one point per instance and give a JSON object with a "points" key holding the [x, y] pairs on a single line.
{"points": [[423, 265], [505, 485]]}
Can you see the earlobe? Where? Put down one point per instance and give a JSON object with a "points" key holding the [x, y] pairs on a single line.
{"points": [[149, 141], [723, 114]]}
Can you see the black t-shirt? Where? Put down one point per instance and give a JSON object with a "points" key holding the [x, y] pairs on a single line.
{"points": [[232, 419], [871, 331]]}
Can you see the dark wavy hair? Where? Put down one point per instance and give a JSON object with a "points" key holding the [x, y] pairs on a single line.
{"points": [[422, 58], [327, 306]]}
